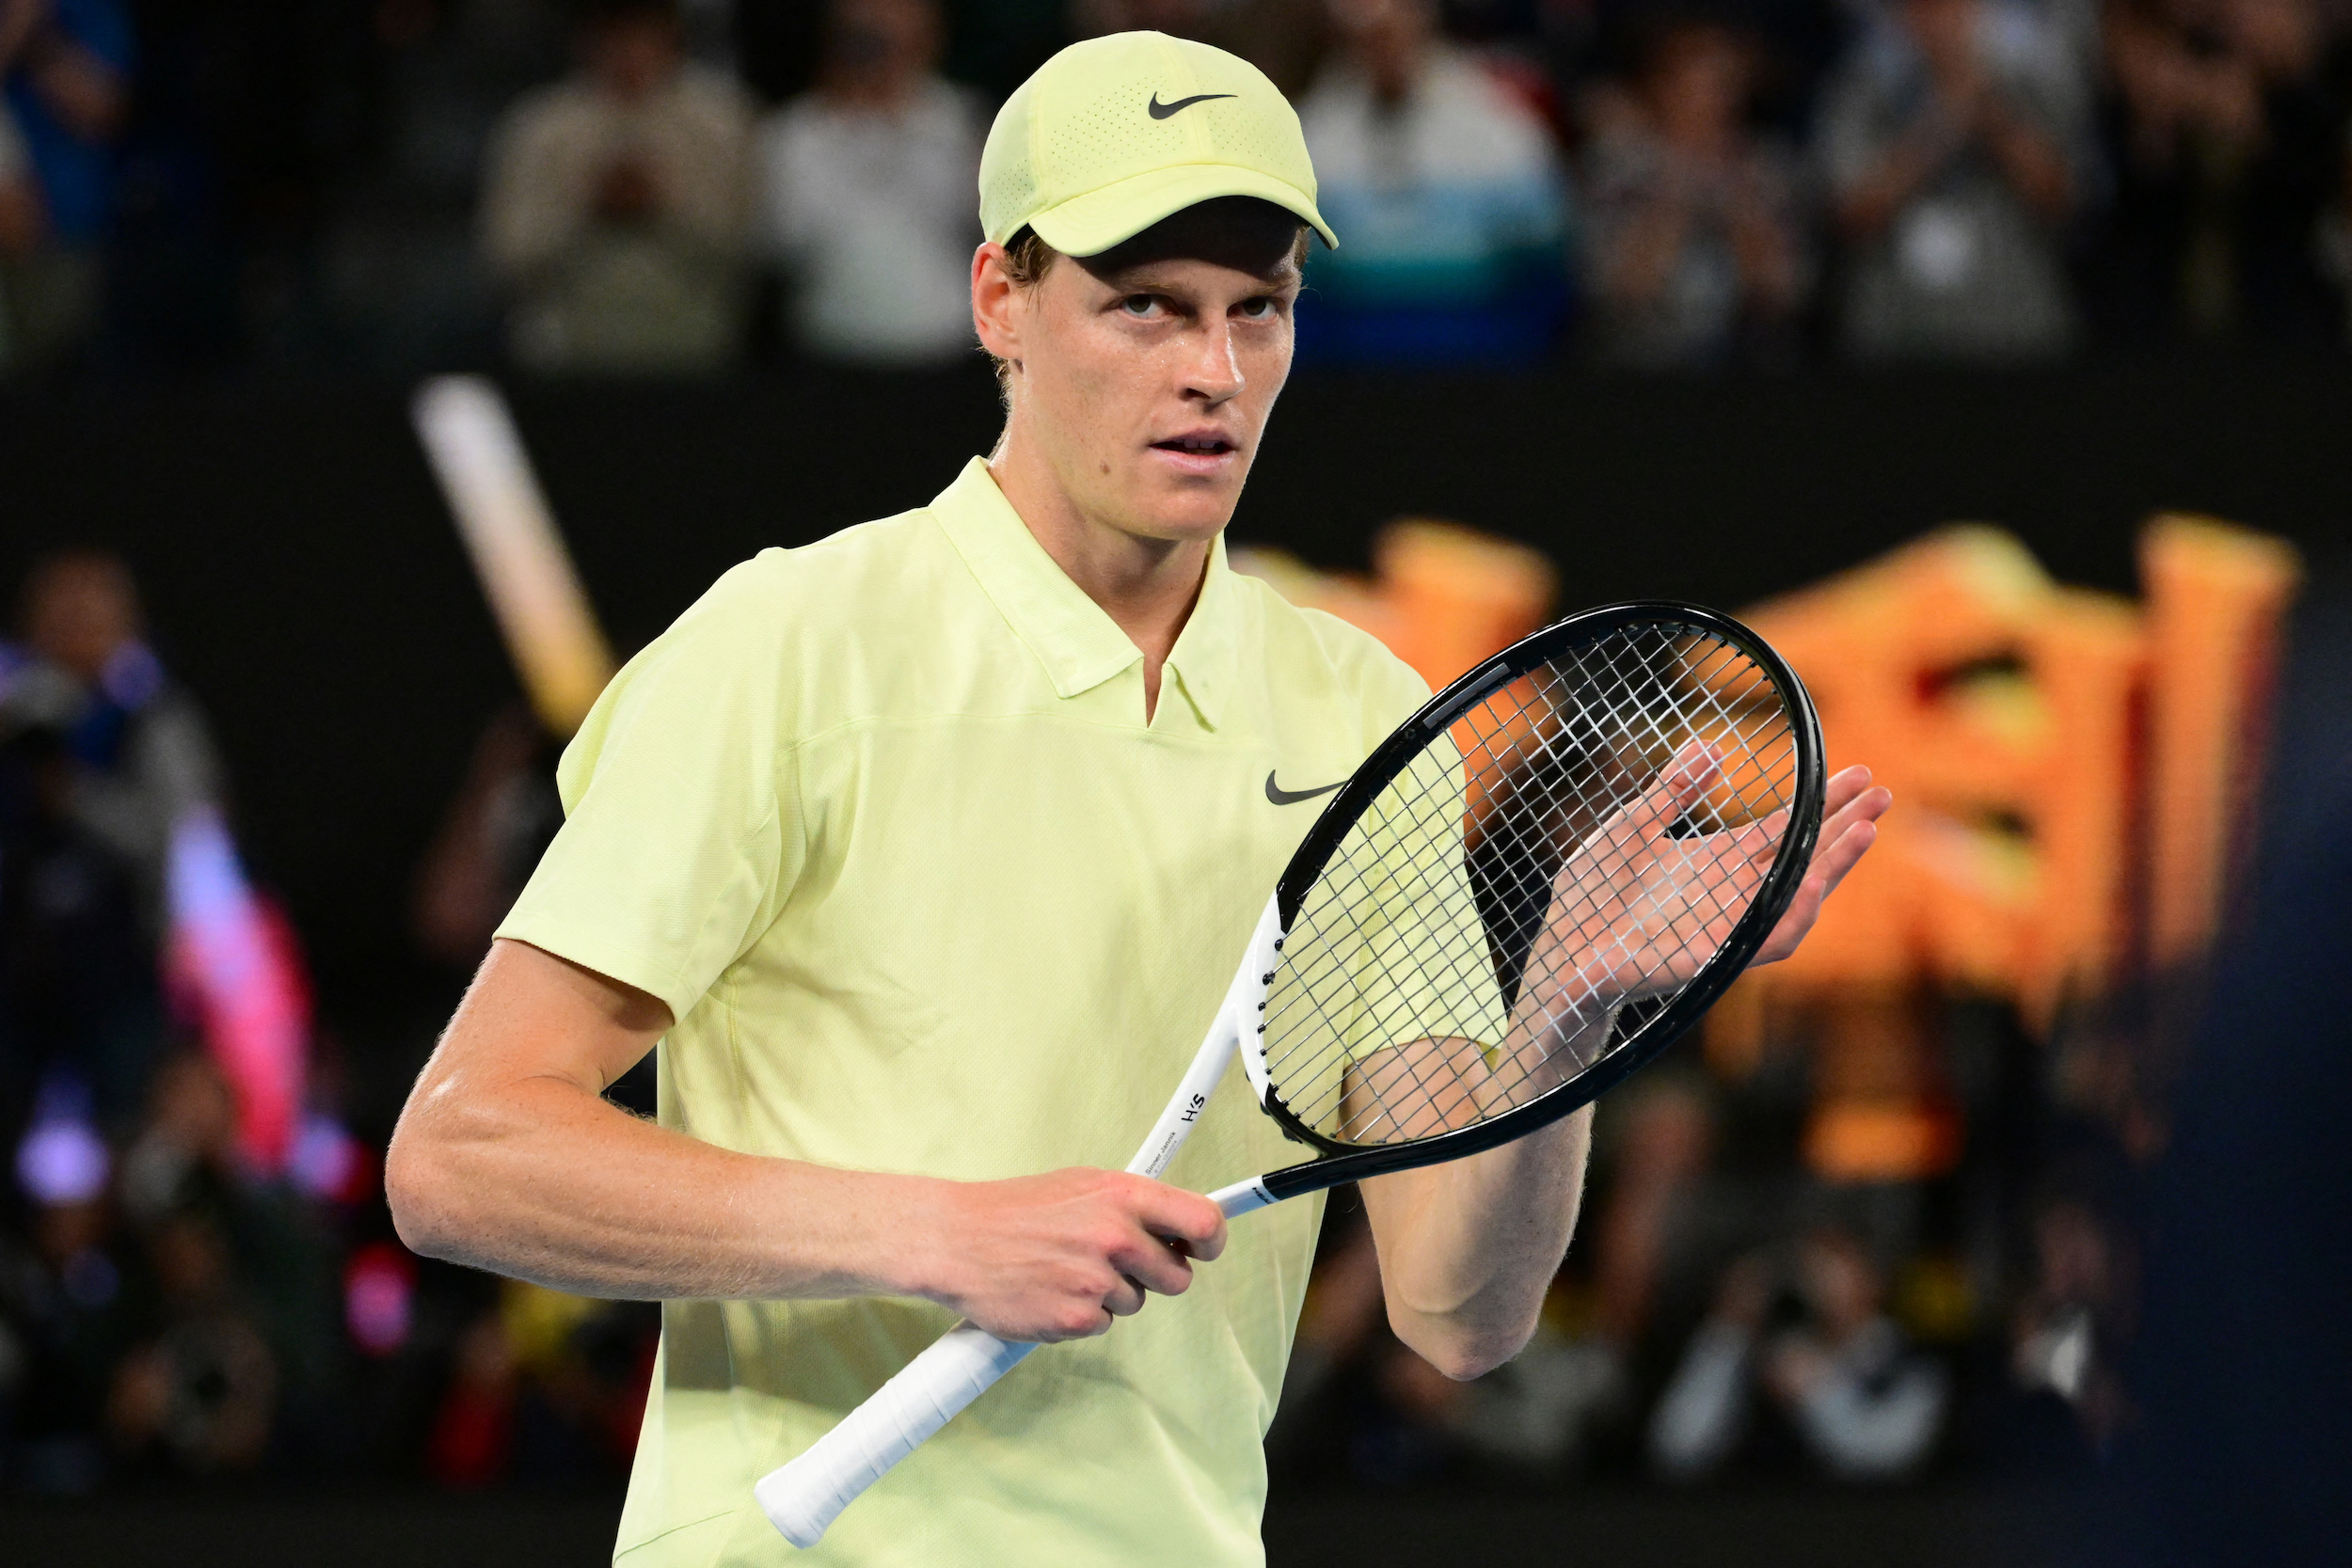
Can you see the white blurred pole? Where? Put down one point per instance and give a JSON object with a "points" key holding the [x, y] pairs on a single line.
{"points": [[525, 571]]}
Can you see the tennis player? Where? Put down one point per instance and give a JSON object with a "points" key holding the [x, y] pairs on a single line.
{"points": [[925, 852]]}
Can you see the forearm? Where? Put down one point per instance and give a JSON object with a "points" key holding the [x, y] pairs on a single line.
{"points": [[544, 1181], [1469, 1248], [509, 1158]]}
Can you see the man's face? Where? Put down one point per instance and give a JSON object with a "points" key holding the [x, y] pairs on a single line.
{"points": [[1144, 376], [80, 610], [634, 55]]}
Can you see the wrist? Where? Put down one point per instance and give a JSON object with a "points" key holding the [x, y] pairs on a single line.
{"points": [[921, 1218]]}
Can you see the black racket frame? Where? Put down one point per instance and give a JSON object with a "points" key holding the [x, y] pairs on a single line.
{"points": [[1346, 1162]]}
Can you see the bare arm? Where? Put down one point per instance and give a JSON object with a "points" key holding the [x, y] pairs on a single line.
{"points": [[508, 1158], [1469, 1248]]}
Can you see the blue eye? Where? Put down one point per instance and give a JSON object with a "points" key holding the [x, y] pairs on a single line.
{"points": [[1139, 305]]}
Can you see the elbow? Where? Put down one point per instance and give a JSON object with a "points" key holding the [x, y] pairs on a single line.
{"points": [[1460, 1353], [418, 1192], [1473, 1358]]}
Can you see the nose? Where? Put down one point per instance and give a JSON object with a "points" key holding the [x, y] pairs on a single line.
{"points": [[1213, 368]]}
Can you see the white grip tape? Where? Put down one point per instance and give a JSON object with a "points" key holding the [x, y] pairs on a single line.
{"points": [[803, 1498], [1242, 1198]]}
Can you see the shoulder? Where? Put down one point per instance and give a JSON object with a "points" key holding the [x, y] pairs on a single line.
{"points": [[846, 582], [555, 110], [1479, 123], [714, 92], [713, 101], [782, 646], [1320, 658], [948, 106]]}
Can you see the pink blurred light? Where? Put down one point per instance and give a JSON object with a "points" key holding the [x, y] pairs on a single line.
{"points": [[233, 955], [379, 1297]]}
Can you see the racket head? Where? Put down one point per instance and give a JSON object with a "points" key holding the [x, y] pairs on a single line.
{"points": [[1491, 794]]}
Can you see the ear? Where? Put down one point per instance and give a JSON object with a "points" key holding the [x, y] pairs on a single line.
{"points": [[998, 303]]}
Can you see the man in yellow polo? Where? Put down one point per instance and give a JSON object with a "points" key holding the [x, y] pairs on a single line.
{"points": [[925, 852]]}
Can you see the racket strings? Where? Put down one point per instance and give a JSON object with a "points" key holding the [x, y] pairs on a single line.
{"points": [[1532, 884]]}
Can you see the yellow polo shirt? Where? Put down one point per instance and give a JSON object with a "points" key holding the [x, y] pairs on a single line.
{"points": [[882, 822]]}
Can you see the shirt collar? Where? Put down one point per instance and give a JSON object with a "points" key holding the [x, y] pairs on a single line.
{"points": [[1079, 646]]}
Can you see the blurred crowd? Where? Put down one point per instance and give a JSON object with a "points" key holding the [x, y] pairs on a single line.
{"points": [[686, 186], [183, 1294]]}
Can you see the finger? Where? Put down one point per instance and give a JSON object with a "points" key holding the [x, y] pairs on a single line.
{"points": [[1154, 1264], [1677, 787], [1186, 1219], [1692, 772], [1843, 856], [1868, 806], [1844, 786], [1829, 868], [1125, 1299]]}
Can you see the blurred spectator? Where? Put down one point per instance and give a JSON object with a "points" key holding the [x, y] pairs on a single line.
{"points": [[101, 757], [500, 821], [1859, 1401], [1449, 202], [866, 192], [202, 1394], [2067, 1340], [614, 204], [2229, 145], [1694, 255], [544, 1386], [66, 67], [81, 1010], [404, 260], [1285, 39], [65, 1309], [141, 759], [248, 1303], [1954, 144]]}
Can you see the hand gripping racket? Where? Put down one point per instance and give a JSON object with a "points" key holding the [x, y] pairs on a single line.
{"points": [[1528, 891]]}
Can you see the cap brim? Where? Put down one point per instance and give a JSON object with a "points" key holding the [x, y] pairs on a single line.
{"points": [[1091, 224]]}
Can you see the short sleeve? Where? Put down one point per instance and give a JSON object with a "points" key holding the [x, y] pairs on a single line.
{"points": [[682, 831], [1389, 946], [1423, 968]]}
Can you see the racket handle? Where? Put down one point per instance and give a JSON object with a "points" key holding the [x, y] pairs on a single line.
{"points": [[805, 1496], [1242, 1198]]}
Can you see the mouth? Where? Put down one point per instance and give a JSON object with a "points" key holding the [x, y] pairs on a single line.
{"points": [[1200, 451]]}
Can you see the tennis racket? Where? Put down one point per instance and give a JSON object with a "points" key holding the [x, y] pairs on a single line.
{"points": [[1528, 891]]}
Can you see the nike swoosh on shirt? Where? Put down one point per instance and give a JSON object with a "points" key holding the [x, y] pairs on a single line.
{"points": [[1281, 796], [1161, 111]]}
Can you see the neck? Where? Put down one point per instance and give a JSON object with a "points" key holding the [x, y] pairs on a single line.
{"points": [[878, 90], [1146, 586]]}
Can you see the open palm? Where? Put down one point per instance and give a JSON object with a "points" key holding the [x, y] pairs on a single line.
{"points": [[1636, 911]]}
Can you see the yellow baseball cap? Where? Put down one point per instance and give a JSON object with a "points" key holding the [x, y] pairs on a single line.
{"points": [[1113, 135]]}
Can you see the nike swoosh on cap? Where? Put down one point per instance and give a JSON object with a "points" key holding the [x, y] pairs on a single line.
{"points": [[1281, 796], [1161, 111]]}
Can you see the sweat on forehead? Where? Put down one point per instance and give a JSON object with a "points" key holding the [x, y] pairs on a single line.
{"points": [[1236, 231]]}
